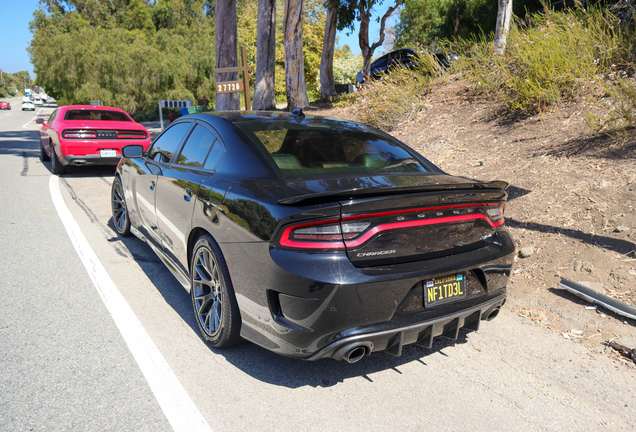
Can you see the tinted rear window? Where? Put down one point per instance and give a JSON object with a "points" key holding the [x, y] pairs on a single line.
{"points": [[104, 115], [321, 146]]}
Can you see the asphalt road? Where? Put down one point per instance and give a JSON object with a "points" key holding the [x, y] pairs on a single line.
{"points": [[67, 362]]}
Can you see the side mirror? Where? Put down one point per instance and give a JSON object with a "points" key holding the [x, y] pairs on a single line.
{"points": [[132, 151], [39, 121]]}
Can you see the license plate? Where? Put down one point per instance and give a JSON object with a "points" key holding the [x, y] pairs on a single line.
{"points": [[444, 289], [108, 153]]}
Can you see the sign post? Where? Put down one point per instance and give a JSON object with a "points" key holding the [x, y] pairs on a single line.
{"points": [[235, 86], [172, 104]]}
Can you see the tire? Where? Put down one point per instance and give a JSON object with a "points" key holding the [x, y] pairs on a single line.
{"points": [[56, 166], [43, 156], [213, 299], [120, 211]]}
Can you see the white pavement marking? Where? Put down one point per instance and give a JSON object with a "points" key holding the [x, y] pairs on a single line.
{"points": [[179, 409], [34, 117]]}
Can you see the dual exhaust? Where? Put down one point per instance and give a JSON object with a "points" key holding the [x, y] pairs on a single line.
{"points": [[354, 352]]}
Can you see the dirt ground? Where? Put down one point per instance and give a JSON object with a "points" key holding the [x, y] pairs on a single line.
{"points": [[571, 204]]}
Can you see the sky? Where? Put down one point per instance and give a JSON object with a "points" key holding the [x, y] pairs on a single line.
{"points": [[15, 38]]}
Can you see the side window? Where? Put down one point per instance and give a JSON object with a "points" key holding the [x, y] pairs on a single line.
{"points": [[168, 143], [214, 156], [50, 120], [197, 147]]}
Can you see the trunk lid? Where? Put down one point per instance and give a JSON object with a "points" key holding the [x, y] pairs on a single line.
{"points": [[413, 226]]}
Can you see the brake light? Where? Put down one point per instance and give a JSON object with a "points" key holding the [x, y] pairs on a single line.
{"points": [[79, 134], [351, 231], [131, 135]]}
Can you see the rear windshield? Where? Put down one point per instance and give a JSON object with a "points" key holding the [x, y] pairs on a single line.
{"points": [[88, 114], [322, 146]]}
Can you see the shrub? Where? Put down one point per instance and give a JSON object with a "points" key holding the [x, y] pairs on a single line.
{"points": [[555, 57], [397, 96], [618, 109]]}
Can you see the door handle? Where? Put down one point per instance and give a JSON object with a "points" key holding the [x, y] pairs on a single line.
{"points": [[187, 195], [152, 185]]}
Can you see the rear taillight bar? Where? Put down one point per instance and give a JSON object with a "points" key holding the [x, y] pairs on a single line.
{"points": [[131, 135], [350, 231], [79, 134]]}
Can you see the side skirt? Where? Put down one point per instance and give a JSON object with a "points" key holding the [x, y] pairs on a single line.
{"points": [[181, 277]]}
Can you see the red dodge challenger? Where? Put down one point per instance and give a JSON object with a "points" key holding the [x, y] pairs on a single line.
{"points": [[88, 135]]}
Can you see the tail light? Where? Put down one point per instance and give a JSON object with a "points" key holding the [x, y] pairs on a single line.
{"points": [[79, 134], [355, 230], [325, 235], [131, 135]]}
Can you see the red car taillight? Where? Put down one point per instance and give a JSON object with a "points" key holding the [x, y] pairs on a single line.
{"points": [[131, 135], [351, 231], [79, 134]]}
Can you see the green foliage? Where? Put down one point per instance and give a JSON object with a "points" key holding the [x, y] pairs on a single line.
{"points": [[398, 96], [618, 109], [558, 57], [128, 53], [14, 83], [427, 22], [346, 67]]}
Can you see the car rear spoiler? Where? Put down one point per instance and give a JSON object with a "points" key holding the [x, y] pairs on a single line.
{"points": [[378, 191]]}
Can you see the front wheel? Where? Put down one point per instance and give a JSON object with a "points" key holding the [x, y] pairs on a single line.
{"points": [[120, 212], [56, 166], [215, 306], [43, 156]]}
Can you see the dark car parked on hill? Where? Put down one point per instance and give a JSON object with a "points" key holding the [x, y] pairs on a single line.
{"points": [[315, 237], [405, 57]]}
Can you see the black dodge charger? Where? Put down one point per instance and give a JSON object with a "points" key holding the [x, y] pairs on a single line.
{"points": [[315, 237]]}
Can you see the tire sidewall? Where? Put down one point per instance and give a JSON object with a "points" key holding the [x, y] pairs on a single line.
{"points": [[125, 232], [228, 334]]}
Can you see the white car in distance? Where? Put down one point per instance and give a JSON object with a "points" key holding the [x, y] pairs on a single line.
{"points": [[28, 105]]}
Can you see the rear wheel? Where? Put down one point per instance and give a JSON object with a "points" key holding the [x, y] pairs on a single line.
{"points": [[120, 212], [56, 166], [215, 306], [43, 156]]}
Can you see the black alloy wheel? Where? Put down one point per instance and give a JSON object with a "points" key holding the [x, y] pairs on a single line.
{"points": [[43, 156], [56, 166], [120, 212], [215, 306]]}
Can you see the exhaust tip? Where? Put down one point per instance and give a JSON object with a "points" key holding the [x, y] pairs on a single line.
{"points": [[355, 355], [79, 162], [493, 314], [353, 352]]}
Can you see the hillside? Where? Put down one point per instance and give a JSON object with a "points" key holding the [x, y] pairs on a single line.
{"points": [[571, 200]]}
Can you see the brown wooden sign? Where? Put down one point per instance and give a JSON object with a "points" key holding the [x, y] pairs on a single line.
{"points": [[221, 86], [228, 87]]}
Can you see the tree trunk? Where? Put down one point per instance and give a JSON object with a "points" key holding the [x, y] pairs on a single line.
{"points": [[294, 60], [504, 17], [226, 51], [364, 10], [327, 87], [264, 88]]}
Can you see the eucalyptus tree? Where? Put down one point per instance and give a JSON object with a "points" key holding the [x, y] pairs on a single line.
{"points": [[351, 11], [504, 16], [264, 87], [226, 51], [294, 60]]}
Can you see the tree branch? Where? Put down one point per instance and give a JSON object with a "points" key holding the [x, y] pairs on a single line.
{"points": [[388, 13]]}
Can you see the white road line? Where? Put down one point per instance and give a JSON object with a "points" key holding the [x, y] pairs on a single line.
{"points": [[181, 412], [34, 117]]}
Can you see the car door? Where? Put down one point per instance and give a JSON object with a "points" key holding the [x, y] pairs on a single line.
{"points": [[146, 181], [46, 133], [177, 191]]}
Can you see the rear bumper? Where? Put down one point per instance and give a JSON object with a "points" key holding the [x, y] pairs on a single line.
{"points": [[89, 160], [421, 333], [312, 306]]}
